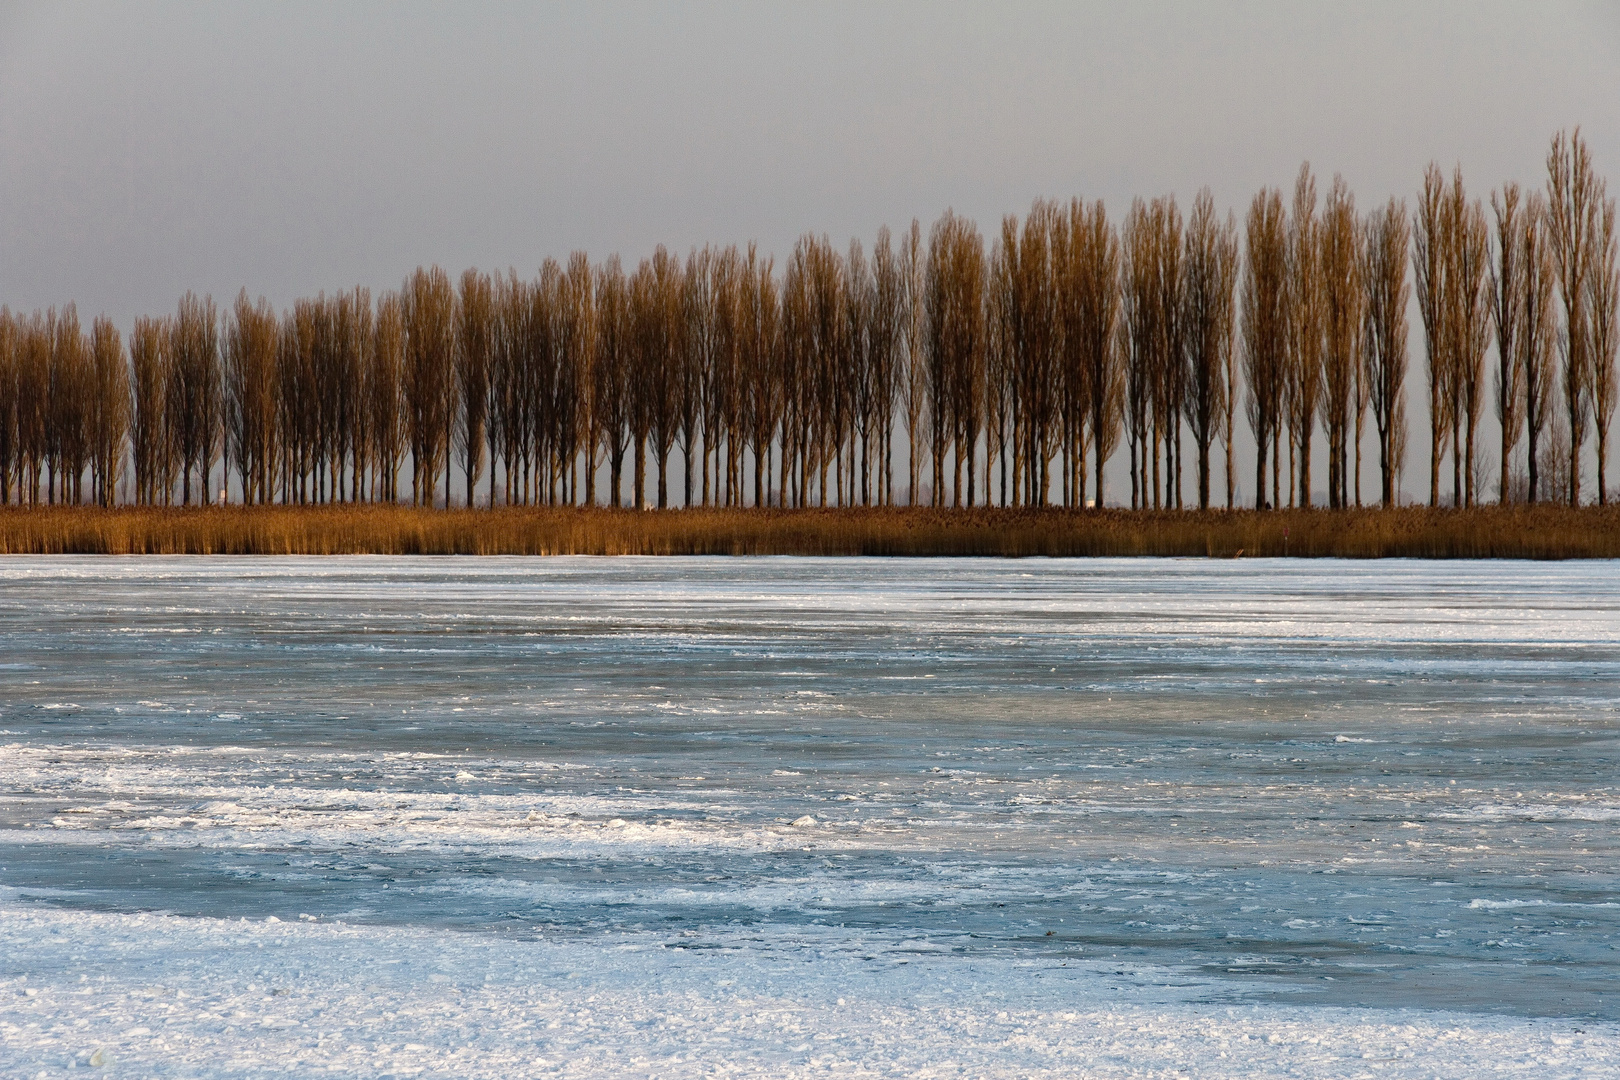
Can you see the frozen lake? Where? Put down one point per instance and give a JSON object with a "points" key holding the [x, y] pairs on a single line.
{"points": [[647, 817]]}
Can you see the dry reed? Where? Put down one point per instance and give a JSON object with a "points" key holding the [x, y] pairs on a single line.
{"points": [[1492, 532]]}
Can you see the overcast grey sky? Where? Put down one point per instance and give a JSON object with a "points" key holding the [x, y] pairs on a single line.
{"points": [[147, 149]]}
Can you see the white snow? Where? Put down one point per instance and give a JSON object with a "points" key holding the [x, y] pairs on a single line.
{"points": [[154, 995]]}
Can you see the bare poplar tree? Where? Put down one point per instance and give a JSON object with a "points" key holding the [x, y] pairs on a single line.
{"points": [[251, 383], [798, 360], [351, 311], [149, 436], [46, 444], [577, 382], [614, 357], [68, 443], [1265, 327], [814, 332], [1507, 299], [318, 339], [1070, 386], [1429, 266], [1033, 332], [1000, 396], [1383, 366], [109, 404], [1229, 271], [1142, 334], [849, 383], [1603, 295], [362, 437], [35, 336], [1211, 256], [1537, 333], [34, 339], [428, 311], [539, 364], [1169, 369], [1471, 308], [861, 391], [761, 358], [387, 394], [886, 342], [825, 395], [512, 405], [194, 398], [9, 457], [1304, 358], [1341, 297], [1572, 200], [475, 327], [295, 363], [724, 393], [698, 339], [1091, 329], [918, 403], [655, 295], [955, 348]]}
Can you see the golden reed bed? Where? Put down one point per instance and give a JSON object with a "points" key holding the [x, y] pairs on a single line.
{"points": [[1541, 532]]}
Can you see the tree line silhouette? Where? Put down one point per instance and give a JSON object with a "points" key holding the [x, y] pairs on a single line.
{"points": [[1062, 340]]}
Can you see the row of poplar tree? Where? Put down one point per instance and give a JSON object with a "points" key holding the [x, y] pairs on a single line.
{"points": [[998, 365]]}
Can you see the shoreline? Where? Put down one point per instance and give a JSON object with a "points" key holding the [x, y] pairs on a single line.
{"points": [[1489, 532]]}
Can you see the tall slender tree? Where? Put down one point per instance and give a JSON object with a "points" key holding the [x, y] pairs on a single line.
{"points": [[1169, 370], [1304, 362], [655, 305], [1384, 355], [109, 405], [1000, 398], [386, 399], [955, 349], [251, 381], [194, 399], [761, 357], [1537, 334], [68, 442], [150, 443], [859, 301], [428, 312], [1603, 296], [699, 318], [576, 338], [918, 400], [1141, 334], [1211, 265], [1341, 296], [1429, 266], [1471, 309], [475, 327], [614, 372], [1507, 301], [1265, 328], [724, 397], [1572, 200], [885, 344], [34, 339], [9, 457], [1093, 326]]}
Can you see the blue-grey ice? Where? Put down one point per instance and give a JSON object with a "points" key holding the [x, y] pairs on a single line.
{"points": [[787, 817]]}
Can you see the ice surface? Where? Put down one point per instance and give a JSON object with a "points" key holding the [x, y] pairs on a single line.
{"points": [[517, 817]]}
